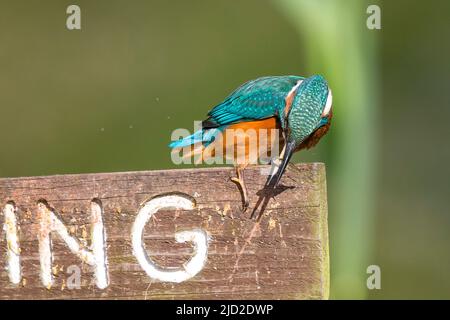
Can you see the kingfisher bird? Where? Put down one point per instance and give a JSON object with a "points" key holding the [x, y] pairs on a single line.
{"points": [[298, 109]]}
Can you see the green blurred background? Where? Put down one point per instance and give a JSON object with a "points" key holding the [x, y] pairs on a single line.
{"points": [[107, 97]]}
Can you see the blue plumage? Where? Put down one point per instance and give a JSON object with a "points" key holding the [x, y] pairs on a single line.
{"points": [[202, 135], [254, 100]]}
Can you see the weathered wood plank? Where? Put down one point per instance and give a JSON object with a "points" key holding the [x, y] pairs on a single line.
{"points": [[284, 255]]}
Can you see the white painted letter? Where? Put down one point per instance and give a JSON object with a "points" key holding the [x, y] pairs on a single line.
{"points": [[74, 20], [197, 236], [12, 242], [49, 222]]}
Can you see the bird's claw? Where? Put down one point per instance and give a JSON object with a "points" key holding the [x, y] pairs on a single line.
{"points": [[245, 206], [246, 202]]}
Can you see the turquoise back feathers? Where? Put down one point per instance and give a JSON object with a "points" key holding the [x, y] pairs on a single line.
{"points": [[255, 99]]}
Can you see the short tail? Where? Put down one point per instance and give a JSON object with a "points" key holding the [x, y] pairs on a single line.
{"points": [[205, 136]]}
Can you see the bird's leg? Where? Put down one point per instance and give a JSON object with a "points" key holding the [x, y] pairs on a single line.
{"points": [[240, 181]]}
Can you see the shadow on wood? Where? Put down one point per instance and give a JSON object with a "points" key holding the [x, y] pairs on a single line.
{"points": [[164, 235]]}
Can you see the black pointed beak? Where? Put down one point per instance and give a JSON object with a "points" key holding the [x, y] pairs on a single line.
{"points": [[290, 147]]}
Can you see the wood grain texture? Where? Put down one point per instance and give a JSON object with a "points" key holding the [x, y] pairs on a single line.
{"points": [[286, 257]]}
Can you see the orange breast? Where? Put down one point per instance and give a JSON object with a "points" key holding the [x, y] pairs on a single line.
{"points": [[247, 142]]}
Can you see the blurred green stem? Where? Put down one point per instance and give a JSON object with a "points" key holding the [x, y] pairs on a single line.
{"points": [[339, 46]]}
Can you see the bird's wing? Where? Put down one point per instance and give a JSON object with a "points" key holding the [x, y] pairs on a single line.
{"points": [[256, 99]]}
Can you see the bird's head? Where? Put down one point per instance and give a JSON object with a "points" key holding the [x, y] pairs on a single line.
{"points": [[310, 109]]}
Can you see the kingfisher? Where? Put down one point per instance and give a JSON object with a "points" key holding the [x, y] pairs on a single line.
{"points": [[297, 109]]}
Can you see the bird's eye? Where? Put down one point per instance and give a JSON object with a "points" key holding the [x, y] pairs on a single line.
{"points": [[328, 104]]}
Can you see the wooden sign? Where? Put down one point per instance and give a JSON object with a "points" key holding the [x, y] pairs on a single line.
{"points": [[176, 234]]}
